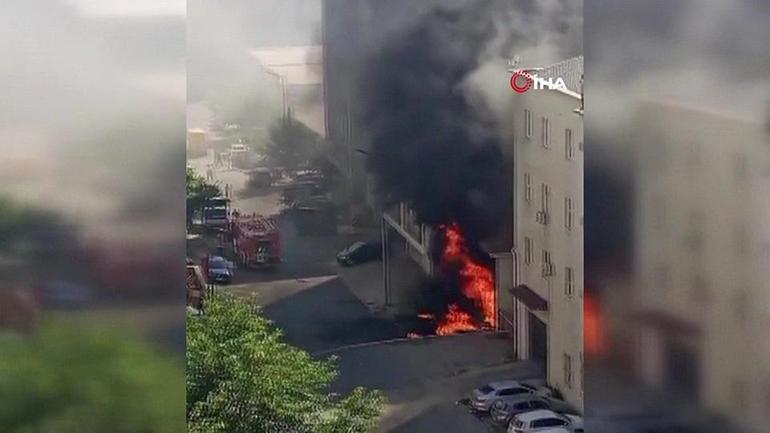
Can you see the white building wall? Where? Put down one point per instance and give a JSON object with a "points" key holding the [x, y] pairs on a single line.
{"points": [[563, 179], [702, 194]]}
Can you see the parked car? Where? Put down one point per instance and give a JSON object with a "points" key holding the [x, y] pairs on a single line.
{"points": [[558, 430], [540, 421], [221, 270], [360, 252], [484, 397], [506, 408]]}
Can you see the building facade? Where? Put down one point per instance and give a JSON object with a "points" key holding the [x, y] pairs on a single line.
{"points": [[543, 308], [701, 243], [353, 30]]}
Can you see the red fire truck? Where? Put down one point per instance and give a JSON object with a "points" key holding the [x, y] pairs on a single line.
{"points": [[256, 240]]}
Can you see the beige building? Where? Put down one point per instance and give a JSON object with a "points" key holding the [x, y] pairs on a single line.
{"points": [[702, 244], [543, 307]]}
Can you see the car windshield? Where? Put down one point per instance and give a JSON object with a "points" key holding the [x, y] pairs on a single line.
{"points": [[355, 246], [486, 389], [216, 213], [218, 263]]}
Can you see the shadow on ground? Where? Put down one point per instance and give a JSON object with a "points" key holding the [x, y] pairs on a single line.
{"points": [[328, 316]]}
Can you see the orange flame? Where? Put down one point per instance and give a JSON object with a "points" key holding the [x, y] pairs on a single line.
{"points": [[594, 338], [477, 284], [455, 321]]}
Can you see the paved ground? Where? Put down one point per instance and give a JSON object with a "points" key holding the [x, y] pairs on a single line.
{"points": [[423, 379], [330, 310], [318, 313]]}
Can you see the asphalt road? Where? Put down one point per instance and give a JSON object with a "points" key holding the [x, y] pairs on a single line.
{"points": [[303, 295], [309, 298]]}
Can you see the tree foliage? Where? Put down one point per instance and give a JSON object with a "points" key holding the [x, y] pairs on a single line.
{"points": [[291, 144], [88, 379], [243, 378], [199, 191]]}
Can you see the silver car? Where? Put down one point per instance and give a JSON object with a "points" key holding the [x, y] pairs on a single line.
{"points": [[543, 420], [484, 397], [504, 409]]}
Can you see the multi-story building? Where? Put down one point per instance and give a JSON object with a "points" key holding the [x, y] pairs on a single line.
{"points": [[702, 308], [298, 71], [352, 31], [540, 300], [543, 308]]}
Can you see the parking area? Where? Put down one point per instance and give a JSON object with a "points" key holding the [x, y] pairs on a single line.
{"points": [[427, 381]]}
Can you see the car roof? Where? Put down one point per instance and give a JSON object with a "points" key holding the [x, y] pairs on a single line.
{"points": [[576, 420], [518, 398], [505, 384], [537, 414]]}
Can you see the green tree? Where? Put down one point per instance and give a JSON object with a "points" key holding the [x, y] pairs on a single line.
{"points": [[199, 191], [291, 144], [243, 378], [66, 377]]}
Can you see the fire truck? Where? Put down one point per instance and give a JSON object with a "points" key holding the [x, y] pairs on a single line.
{"points": [[256, 240]]}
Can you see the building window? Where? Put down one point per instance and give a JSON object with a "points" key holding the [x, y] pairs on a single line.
{"points": [[569, 213], [547, 265], [568, 371], [528, 123], [543, 214], [569, 146], [569, 281], [529, 247], [545, 135], [581, 374], [528, 187]]}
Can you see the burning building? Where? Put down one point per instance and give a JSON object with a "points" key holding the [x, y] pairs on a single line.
{"points": [[439, 170], [543, 308], [442, 165]]}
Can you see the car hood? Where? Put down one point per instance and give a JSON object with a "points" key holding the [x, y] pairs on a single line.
{"points": [[478, 395], [220, 271]]}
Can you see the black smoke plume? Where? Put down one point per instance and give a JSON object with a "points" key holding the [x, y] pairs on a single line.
{"points": [[430, 146]]}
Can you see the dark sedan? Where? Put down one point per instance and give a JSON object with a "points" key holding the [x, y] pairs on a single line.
{"points": [[360, 252]]}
